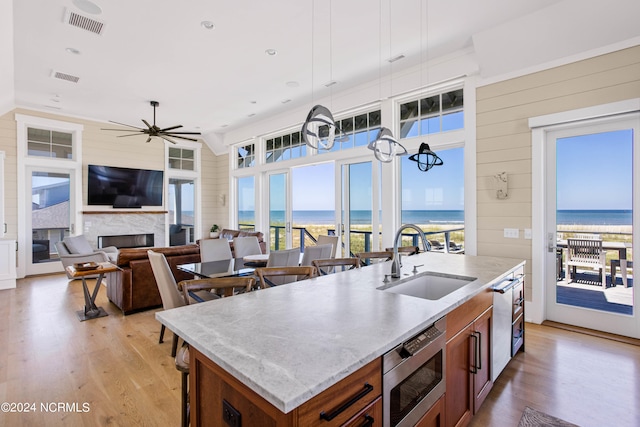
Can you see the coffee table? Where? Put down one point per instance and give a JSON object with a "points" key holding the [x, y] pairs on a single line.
{"points": [[81, 271]]}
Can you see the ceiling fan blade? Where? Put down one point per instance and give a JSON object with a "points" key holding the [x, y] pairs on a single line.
{"points": [[131, 134], [124, 124], [185, 133], [172, 127], [180, 137], [147, 123], [166, 138], [149, 139], [120, 130]]}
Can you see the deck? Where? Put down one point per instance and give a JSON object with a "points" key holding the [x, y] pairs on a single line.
{"points": [[587, 292]]}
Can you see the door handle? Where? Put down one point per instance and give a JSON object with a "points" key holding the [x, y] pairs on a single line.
{"points": [[474, 366]]}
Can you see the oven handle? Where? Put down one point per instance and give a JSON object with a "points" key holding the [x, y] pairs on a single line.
{"points": [[328, 417]]}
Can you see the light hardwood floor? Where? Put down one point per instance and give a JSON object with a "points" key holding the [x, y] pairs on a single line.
{"points": [[116, 366]]}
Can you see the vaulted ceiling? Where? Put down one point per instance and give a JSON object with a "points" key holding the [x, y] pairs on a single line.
{"points": [[105, 60]]}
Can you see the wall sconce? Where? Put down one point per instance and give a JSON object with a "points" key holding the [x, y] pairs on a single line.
{"points": [[501, 184]]}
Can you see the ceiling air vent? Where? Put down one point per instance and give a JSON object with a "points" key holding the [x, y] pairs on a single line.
{"points": [[64, 76], [83, 22]]}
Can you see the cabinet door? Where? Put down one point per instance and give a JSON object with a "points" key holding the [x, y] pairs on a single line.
{"points": [[370, 416], [459, 396], [482, 383], [434, 416]]}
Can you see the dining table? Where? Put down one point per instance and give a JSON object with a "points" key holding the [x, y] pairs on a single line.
{"points": [[222, 268]]}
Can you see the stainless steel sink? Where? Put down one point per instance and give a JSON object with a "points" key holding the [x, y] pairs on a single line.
{"points": [[428, 285]]}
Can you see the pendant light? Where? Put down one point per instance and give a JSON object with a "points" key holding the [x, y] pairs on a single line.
{"points": [[319, 130], [425, 157], [385, 147]]}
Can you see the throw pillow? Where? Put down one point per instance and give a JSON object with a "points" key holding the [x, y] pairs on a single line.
{"points": [[78, 245]]}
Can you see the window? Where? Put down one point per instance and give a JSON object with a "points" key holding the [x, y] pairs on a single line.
{"points": [[433, 114], [434, 200], [181, 158], [285, 147], [181, 206], [49, 143], [357, 131], [246, 156]]}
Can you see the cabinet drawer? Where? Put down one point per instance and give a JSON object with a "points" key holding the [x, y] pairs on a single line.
{"points": [[517, 330], [342, 401], [370, 416]]}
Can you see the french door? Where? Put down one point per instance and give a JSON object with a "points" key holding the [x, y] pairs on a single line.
{"points": [[590, 182], [358, 206], [50, 214]]}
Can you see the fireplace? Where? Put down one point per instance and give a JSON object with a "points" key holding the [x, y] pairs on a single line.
{"points": [[127, 241]]}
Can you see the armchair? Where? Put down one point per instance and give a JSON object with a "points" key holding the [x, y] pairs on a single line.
{"points": [[76, 249]]}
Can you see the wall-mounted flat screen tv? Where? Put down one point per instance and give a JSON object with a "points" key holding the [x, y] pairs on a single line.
{"points": [[124, 187]]}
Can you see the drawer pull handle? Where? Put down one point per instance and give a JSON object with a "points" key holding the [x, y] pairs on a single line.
{"points": [[474, 367], [328, 417], [369, 420]]}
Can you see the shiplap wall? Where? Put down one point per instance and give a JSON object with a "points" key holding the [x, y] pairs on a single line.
{"points": [[504, 137], [104, 148]]}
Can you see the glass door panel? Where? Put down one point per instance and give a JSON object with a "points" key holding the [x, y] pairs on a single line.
{"points": [[590, 209], [356, 208], [279, 216], [181, 206], [313, 203], [246, 203], [50, 211]]}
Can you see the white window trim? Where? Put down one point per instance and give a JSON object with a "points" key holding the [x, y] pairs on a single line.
{"points": [[24, 161], [186, 174]]}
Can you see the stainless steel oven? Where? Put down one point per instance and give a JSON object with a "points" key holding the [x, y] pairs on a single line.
{"points": [[414, 376]]}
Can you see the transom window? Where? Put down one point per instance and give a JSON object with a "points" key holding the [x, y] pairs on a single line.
{"points": [[285, 147], [357, 131], [246, 156], [438, 113], [181, 158], [49, 143]]}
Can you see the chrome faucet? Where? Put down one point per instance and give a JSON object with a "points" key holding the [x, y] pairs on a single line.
{"points": [[395, 264]]}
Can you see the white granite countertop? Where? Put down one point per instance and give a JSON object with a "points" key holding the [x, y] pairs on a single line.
{"points": [[291, 342]]}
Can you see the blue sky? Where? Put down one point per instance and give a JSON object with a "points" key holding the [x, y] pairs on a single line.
{"points": [[595, 171]]}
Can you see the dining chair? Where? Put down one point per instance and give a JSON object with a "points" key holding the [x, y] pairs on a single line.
{"points": [[267, 275], [247, 245], [169, 292], [284, 258], [406, 250], [368, 258], [332, 265], [214, 250], [224, 286], [326, 239], [316, 252]]}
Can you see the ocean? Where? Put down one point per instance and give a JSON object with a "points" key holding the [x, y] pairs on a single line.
{"points": [[564, 217]]}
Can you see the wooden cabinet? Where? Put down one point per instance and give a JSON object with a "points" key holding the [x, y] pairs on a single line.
{"points": [[434, 416], [355, 401], [468, 373]]}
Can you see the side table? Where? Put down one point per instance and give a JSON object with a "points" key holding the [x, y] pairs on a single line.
{"points": [[91, 311]]}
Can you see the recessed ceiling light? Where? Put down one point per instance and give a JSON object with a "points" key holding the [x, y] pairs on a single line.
{"points": [[208, 25], [395, 58], [284, 101], [331, 83], [73, 50], [271, 52], [292, 84], [251, 115], [87, 6], [253, 102]]}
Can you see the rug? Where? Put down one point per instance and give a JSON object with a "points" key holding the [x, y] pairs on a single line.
{"points": [[535, 418]]}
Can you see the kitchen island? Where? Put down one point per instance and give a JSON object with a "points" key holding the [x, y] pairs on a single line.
{"points": [[290, 343]]}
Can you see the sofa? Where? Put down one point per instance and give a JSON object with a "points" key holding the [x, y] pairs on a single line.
{"points": [[133, 287], [230, 234]]}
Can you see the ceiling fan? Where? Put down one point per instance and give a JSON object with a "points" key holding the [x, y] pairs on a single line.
{"points": [[152, 130]]}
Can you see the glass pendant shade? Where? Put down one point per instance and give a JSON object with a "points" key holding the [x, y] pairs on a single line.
{"points": [[426, 158], [319, 130], [385, 147]]}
